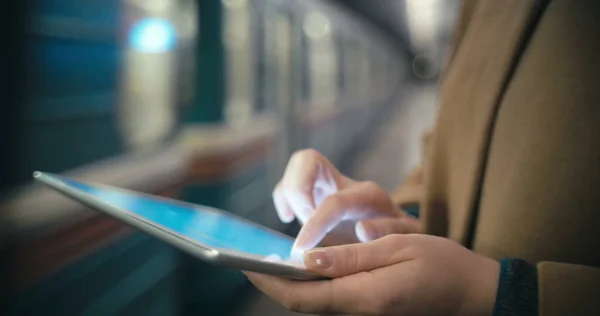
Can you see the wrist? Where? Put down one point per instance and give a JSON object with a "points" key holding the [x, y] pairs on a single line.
{"points": [[480, 297]]}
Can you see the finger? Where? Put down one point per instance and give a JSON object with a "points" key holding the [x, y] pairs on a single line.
{"points": [[371, 229], [325, 184], [298, 203], [299, 177], [312, 297], [340, 261], [284, 211], [308, 180], [358, 202]]}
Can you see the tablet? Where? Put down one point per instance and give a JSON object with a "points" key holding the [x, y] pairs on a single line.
{"points": [[207, 233]]}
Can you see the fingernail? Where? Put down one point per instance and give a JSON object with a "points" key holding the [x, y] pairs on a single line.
{"points": [[285, 215], [287, 218], [363, 234], [297, 255], [301, 244], [272, 258], [318, 259]]}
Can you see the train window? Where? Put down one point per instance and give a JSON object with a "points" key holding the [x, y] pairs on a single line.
{"points": [[276, 61], [69, 57], [385, 77], [322, 58], [279, 82], [364, 63], [352, 71], [147, 111], [237, 34], [283, 55], [341, 62], [187, 25], [378, 73]]}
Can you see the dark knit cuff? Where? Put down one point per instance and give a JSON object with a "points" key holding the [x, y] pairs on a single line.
{"points": [[517, 290], [412, 210]]}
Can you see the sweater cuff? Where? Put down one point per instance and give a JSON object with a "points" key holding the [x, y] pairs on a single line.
{"points": [[412, 210], [517, 290]]}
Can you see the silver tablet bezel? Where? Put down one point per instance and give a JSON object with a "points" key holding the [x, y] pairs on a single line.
{"points": [[221, 257]]}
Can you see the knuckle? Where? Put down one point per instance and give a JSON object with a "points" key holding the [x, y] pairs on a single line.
{"points": [[305, 189], [376, 194], [371, 186], [393, 239], [333, 202], [304, 154], [299, 191], [351, 258]]}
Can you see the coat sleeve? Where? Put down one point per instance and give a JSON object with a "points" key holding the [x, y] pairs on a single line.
{"points": [[568, 289]]}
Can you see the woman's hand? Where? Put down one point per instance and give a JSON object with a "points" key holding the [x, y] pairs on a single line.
{"points": [[395, 275], [309, 179], [335, 209]]}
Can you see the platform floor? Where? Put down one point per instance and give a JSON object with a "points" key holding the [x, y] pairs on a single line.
{"points": [[397, 147], [394, 151]]}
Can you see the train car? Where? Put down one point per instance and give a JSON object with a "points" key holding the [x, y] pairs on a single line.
{"points": [[79, 81], [203, 101]]}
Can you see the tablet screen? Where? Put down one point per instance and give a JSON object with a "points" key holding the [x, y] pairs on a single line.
{"points": [[210, 227]]}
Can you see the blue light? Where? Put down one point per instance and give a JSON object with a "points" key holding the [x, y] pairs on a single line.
{"points": [[152, 36]]}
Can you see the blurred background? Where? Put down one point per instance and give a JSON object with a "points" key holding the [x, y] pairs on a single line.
{"points": [[198, 100]]}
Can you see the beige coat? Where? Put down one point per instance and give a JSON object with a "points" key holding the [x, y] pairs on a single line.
{"points": [[512, 168]]}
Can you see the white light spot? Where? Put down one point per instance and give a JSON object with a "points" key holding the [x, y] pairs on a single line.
{"points": [[152, 36]]}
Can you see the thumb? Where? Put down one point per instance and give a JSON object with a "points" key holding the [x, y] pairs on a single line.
{"points": [[339, 261], [372, 229]]}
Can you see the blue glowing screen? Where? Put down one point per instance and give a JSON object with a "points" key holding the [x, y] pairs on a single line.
{"points": [[213, 228]]}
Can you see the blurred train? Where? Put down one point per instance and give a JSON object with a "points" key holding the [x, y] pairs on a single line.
{"points": [[203, 101]]}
